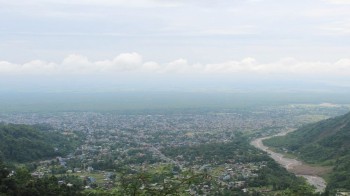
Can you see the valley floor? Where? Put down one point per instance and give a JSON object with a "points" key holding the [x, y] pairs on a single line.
{"points": [[310, 173]]}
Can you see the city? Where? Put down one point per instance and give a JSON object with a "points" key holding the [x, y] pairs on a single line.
{"points": [[170, 145]]}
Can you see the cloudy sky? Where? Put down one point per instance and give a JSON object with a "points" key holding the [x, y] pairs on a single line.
{"points": [[147, 42]]}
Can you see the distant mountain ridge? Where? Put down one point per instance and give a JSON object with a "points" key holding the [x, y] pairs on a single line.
{"points": [[23, 143], [325, 142]]}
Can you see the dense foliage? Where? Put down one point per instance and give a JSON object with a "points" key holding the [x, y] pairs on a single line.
{"points": [[23, 143], [340, 177], [20, 183], [325, 142], [275, 175]]}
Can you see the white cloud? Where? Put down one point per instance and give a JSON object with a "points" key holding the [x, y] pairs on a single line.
{"points": [[7, 67], [122, 62], [38, 66], [75, 63], [128, 59], [151, 67], [75, 59], [133, 63], [177, 66]]}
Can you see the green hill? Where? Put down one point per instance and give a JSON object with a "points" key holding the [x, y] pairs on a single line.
{"points": [[23, 143], [326, 142]]}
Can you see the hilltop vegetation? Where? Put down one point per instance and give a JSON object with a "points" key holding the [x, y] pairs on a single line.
{"points": [[325, 142], [23, 143]]}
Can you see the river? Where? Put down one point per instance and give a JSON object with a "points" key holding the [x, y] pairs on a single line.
{"points": [[289, 164]]}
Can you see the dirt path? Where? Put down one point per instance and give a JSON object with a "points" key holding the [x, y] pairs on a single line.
{"points": [[310, 173]]}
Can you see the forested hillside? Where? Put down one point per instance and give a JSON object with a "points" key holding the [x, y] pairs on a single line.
{"points": [[21, 183], [326, 142], [23, 143]]}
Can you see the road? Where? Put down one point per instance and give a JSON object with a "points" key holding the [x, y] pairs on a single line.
{"points": [[289, 163]]}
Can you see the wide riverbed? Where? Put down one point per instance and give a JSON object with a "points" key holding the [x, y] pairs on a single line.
{"points": [[289, 164]]}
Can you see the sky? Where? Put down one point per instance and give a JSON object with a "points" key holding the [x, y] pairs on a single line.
{"points": [[111, 45]]}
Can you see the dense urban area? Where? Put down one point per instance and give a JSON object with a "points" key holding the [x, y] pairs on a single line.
{"points": [[160, 153]]}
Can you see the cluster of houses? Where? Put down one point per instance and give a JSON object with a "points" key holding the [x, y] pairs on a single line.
{"points": [[114, 137]]}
